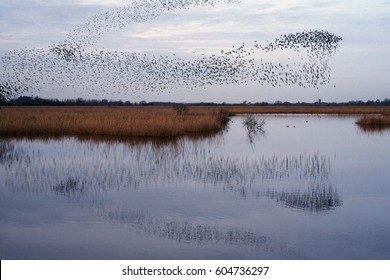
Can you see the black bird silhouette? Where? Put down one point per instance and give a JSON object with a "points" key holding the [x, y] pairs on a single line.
{"points": [[67, 64]]}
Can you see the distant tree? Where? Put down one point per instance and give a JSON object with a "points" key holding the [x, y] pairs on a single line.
{"points": [[80, 101]]}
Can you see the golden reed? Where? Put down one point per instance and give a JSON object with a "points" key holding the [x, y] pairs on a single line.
{"points": [[144, 121], [153, 121], [374, 122]]}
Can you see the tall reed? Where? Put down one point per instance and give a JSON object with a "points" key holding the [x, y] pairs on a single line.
{"points": [[150, 121], [374, 123]]}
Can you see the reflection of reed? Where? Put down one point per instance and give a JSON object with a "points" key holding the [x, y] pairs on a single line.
{"points": [[315, 198], [71, 187], [129, 141], [100, 167], [373, 129], [375, 124], [238, 173], [94, 174], [8, 152]]}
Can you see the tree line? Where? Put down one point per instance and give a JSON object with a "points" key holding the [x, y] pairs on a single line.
{"points": [[38, 101]]}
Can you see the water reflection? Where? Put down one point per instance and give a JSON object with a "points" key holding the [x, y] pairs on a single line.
{"points": [[254, 127], [6, 151], [316, 198], [104, 176], [70, 188], [184, 231], [199, 198], [9, 153], [99, 167], [168, 228], [215, 137], [372, 129]]}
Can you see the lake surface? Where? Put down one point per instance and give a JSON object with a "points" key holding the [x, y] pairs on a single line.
{"points": [[303, 187]]}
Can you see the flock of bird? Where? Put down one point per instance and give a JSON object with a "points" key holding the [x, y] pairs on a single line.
{"points": [[138, 11], [69, 64]]}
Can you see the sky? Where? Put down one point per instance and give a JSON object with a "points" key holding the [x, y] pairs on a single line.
{"points": [[358, 69]]}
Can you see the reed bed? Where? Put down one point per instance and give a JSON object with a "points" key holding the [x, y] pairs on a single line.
{"points": [[153, 121], [148, 121], [374, 123]]}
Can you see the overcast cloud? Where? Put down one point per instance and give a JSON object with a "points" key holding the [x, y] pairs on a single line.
{"points": [[359, 69]]}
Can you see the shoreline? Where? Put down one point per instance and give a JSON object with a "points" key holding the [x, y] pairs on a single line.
{"points": [[151, 121], [309, 109]]}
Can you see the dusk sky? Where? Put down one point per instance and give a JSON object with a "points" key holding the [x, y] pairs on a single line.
{"points": [[359, 69]]}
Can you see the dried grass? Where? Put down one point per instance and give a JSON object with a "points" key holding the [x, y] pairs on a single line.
{"points": [[372, 123], [148, 121], [154, 121]]}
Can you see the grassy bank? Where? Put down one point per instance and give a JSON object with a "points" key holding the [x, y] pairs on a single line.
{"points": [[109, 121], [144, 121], [374, 123]]}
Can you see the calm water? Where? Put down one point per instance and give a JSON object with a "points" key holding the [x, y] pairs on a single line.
{"points": [[319, 190]]}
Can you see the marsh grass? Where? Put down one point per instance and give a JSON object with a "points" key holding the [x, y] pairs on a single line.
{"points": [[153, 121], [374, 123], [144, 121]]}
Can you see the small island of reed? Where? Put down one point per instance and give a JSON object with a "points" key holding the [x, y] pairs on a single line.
{"points": [[375, 122]]}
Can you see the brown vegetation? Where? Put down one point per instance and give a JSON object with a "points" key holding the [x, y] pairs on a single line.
{"points": [[145, 121], [374, 123]]}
